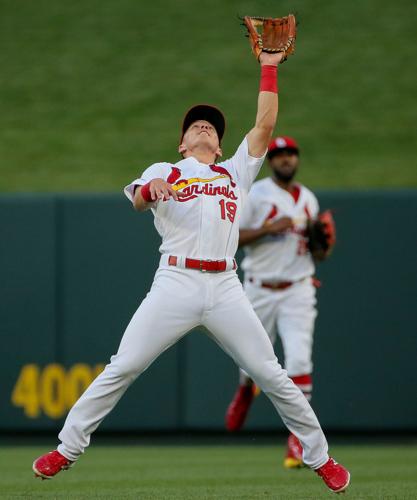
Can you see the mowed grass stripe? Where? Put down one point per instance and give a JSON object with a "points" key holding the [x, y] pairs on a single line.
{"points": [[93, 91], [207, 472]]}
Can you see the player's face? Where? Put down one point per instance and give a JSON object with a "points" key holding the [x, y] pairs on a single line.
{"points": [[199, 134], [284, 164]]}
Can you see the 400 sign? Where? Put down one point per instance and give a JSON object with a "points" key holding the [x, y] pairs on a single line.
{"points": [[51, 390]]}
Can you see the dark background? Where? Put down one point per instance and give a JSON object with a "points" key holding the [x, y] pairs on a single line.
{"points": [[74, 269]]}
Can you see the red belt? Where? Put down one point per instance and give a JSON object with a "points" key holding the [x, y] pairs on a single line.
{"points": [[277, 285], [206, 266]]}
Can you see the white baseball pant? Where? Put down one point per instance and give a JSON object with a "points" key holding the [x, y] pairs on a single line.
{"points": [[290, 312], [179, 300]]}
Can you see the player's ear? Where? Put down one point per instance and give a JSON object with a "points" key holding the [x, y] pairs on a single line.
{"points": [[182, 148], [219, 152]]}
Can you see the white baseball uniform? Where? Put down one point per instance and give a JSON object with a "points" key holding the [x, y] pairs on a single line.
{"points": [[202, 225], [282, 258]]}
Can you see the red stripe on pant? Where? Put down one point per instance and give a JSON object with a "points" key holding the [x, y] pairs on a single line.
{"points": [[304, 383]]}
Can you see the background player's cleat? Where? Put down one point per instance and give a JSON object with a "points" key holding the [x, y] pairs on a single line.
{"points": [[47, 466], [334, 475], [294, 457], [239, 407]]}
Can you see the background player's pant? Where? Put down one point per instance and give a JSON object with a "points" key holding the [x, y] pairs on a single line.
{"points": [[290, 313], [179, 300]]}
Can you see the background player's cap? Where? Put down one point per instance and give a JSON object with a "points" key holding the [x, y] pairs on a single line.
{"points": [[280, 143], [205, 112]]}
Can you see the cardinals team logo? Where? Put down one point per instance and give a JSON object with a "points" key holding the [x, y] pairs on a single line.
{"points": [[196, 186]]}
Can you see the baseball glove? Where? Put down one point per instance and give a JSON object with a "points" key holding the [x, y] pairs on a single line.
{"points": [[321, 235], [267, 34]]}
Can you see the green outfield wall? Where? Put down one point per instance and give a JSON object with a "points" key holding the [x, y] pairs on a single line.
{"points": [[73, 269]]}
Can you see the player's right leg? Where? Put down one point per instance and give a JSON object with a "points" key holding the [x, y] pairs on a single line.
{"points": [[172, 307], [265, 304]]}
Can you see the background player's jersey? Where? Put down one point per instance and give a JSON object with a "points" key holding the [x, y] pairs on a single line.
{"points": [[205, 223], [282, 257]]}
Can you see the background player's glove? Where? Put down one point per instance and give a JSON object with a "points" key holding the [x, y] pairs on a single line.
{"points": [[321, 235], [267, 34]]}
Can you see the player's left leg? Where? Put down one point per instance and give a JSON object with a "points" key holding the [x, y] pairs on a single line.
{"points": [[295, 325], [238, 330]]}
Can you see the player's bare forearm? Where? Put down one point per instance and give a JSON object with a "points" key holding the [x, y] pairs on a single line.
{"points": [[266, 117], [248, 236], [259, 137]]}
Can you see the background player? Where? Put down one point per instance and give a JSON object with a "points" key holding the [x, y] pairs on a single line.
{"points": [[279, 273], [197, 204]]}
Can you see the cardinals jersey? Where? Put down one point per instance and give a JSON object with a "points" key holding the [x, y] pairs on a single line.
{"points": [[204, 224], [285, 256]]}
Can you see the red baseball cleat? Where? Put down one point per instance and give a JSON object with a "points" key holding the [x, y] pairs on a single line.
{"points": [[239, 407], [294, 457], [47, 466], [334, 475]]}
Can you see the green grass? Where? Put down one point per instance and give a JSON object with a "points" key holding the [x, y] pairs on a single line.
{"points": [[205, 472], [93, 91]]}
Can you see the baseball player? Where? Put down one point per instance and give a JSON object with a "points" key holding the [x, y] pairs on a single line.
{"points": [[197, 203], [279, 276]]}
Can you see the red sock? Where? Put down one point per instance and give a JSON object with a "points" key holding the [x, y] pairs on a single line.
{"points": [[304, 383]]}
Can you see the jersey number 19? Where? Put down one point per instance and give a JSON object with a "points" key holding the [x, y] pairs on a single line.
{"points": [[228, 209]]}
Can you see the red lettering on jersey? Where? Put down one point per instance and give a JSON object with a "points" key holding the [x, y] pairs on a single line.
{"points": [[307, 212], [174, 175], [193, 190], [223, 171]]}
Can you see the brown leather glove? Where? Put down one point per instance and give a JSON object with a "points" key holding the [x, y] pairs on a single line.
{"points": [[267, 34], [321, 235]]}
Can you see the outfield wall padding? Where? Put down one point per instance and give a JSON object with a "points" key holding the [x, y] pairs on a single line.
{"points": [[74, 268]]}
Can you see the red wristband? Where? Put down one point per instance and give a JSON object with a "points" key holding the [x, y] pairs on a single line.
{"points": [[145, 191], [269, 79]]}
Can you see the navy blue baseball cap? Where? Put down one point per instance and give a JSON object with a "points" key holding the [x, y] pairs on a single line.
{"points": [[205, 112]]}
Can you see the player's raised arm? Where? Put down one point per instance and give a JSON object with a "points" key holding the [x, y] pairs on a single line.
{"points": [[266, 116], [272, 41]]}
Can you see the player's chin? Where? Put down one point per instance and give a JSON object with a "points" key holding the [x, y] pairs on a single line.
{"points": [[206, 140], [285, 175]]}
